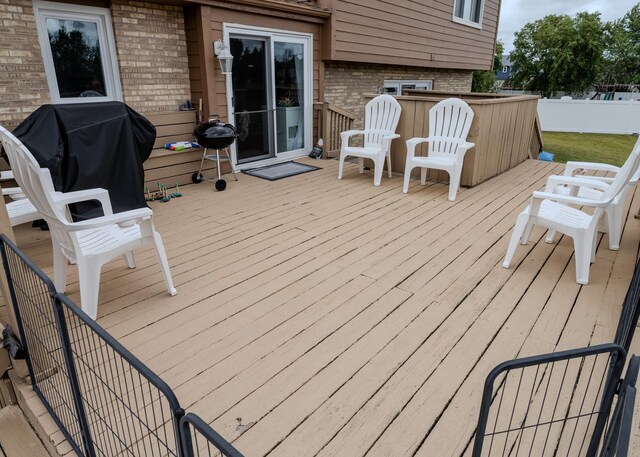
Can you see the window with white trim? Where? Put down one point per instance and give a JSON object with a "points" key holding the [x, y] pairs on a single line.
{"points": [[468, 12], [399, 87], [78, 50]]}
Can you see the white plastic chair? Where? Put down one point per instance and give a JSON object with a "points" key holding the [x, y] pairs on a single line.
{"points": [[612, 221], [20, 210], [90, 243], [552, 210], [449, 124], [381, 118], [14, 192]]}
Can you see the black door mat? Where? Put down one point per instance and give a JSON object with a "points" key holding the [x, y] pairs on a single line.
{"points": [[280, 170]]}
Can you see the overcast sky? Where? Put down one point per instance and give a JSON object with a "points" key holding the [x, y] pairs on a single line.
{"points": [[514, 14]]}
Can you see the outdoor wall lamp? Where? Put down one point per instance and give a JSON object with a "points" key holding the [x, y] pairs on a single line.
{"points": [[222, 51]]}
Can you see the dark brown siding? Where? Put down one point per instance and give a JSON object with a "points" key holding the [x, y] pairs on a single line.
{"points": [[191, 23], [416, 33], [202, 62], [220, 16], [204, 25]]}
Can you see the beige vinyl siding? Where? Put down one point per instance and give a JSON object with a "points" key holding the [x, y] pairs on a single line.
{"points": [[404, 32]]}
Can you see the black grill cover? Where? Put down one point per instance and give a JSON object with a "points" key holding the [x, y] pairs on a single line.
{"points": [[89, 145]]}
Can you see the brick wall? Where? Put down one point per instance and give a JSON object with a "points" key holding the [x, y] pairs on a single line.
{"points": [[346, 83], [152, 54], [151, 49], [23, 83]]}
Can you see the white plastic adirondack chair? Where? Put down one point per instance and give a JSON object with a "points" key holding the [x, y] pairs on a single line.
{"points": [[552, 210], [449, 124], [381, 118], [90, 243], [612, 221]]}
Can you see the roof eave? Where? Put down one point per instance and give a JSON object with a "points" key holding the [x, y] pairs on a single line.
{"points": [[298, 8]]}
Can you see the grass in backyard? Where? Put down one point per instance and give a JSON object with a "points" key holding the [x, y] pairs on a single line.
{"points": [[589, 147]]}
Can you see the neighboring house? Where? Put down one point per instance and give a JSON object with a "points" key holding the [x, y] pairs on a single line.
{"points": [[504, 73], [288, 54]]}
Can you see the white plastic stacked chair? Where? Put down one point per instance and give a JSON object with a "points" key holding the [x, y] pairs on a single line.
{"points": [[552, 210], [449, 124], [20, 210], [612, 221], [90, 243], [381, 118]]}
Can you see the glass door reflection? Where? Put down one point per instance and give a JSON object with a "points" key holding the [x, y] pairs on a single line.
{"points": [[289, 66]]}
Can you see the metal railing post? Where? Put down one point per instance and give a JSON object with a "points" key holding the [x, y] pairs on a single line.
{"points": [[63, 333]]}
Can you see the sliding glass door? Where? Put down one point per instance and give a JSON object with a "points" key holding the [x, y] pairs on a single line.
{"points": [[251, 99], [270, 93]]}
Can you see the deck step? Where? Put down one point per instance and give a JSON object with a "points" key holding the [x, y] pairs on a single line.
{"points": [[17, 438]]}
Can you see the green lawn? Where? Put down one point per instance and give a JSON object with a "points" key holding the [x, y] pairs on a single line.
{"points": [[589, 147]]}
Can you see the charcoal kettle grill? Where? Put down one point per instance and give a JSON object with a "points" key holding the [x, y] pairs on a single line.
{"points": [[216, 135]]}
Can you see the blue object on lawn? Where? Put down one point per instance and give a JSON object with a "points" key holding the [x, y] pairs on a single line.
{"points": [[546, 156]]}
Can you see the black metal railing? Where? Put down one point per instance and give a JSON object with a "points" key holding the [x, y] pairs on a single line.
{"points": [[32, 294], [106, 402], [200, 440], [630, 312], [131, 411], [616, 443], [553, 404]]}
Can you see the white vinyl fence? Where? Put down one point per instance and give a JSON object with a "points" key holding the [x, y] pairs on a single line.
{"points": [[589, 116]]}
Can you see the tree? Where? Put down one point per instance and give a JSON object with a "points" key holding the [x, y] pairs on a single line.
{"points": [[76, 62], [558, 53], [485, 81], [622, 52]]}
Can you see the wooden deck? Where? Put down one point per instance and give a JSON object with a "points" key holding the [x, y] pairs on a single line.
{"points": [[349, 320]]}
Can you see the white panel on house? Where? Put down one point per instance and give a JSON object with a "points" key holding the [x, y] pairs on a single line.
{"points": [[399, 87]]}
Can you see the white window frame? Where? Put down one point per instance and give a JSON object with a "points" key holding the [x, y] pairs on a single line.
{"points": [[467, 13], [100, 16], [398, 83]]}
